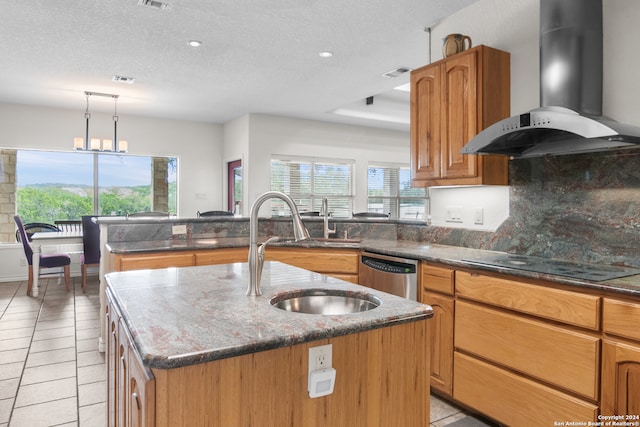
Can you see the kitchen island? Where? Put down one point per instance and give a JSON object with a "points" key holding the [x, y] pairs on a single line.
{"points": [[187, 347]]}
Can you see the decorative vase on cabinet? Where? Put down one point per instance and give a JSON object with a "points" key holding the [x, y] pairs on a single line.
{"points": [[451, 101]]}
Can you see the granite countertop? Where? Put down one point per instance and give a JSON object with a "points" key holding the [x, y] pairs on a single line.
{"points": [[454, 256], [183, 316]]}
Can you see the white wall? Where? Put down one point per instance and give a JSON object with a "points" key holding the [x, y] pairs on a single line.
{"points": [[269, 135], [198, 146]]}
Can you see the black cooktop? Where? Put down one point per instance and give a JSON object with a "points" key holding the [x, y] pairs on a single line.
{"points": [[591, 272]]}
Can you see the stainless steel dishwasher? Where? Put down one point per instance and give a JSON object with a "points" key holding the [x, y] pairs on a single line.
{"points": [[389, 274]]}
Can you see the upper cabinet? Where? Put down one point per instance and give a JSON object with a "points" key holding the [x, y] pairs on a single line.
{"points": [[451, 101]]}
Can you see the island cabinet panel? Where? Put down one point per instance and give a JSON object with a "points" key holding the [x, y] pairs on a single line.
{"points": [[621, 360], [381, 380], [568, 307], [339, 263], [563, 357], [451, 101], [514, 400], [222, 256]]}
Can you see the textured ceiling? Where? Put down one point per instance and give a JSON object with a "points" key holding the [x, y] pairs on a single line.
{"points": [[258, 56]]}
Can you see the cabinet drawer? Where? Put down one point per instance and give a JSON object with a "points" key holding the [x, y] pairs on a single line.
{"points": [[141, 262], [321, 261], [437, 279], [568, 307], [562, 357], [222, 256], [513, 400], [621, 318]]}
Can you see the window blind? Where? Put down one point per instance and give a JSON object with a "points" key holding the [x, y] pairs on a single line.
{"points": [[309, 180], [389, 191]]}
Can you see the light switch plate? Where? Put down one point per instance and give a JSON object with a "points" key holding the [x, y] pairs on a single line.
{"points": [[478, 216]]}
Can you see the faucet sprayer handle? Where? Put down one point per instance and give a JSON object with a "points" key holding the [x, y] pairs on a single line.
{"points": [[263, 245]]}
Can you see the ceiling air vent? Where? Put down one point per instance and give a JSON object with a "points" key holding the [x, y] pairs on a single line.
{"points": [[123, 79], [398, 71], [154, 4]]}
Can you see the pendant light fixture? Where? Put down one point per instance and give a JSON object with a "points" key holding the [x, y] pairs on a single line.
{"points": [[88, 143]]}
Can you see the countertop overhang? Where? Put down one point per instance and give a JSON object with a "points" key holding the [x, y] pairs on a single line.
{"points": [[183, 316]]}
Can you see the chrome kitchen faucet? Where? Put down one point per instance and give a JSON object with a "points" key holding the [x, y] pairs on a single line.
{"points": [[256, 253]]}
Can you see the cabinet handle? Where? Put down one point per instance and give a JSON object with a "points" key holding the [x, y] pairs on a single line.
{"points": [[136, 399]]}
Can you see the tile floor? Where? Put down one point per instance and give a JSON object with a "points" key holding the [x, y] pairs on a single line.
{"points": [[51, 373]]}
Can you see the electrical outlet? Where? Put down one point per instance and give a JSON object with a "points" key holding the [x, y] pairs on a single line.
{"points": [[320, 358], [321, 376], [179, 229], [453, 214]]}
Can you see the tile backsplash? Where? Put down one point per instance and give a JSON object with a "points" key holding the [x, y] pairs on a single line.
{"points": [[582, 207]]}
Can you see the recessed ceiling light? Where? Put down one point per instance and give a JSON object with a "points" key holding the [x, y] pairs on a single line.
{"points": [[195, 43], [325, 54]]}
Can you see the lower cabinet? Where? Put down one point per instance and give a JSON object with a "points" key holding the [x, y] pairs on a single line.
{"points": [[187, 258], [621, 359], [526, 352], [621, 379], [130, 385], [437, 284]]}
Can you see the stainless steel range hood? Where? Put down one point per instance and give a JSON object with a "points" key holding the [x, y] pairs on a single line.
{"points": [[570, 120]]}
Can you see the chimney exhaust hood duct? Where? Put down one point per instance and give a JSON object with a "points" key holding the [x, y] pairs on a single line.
{"points": [[570, 119]]}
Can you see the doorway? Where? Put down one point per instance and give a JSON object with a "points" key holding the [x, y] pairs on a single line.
{"points": [[234, 190]]}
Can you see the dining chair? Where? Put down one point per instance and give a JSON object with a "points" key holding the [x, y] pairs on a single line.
{"points": [[47, 260], [35, 227], [90, 257]]}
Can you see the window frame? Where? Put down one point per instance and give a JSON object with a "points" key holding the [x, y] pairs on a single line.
{"points": [[396, 200], [340, 205]]}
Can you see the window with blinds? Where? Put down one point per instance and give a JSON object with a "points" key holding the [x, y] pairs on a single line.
{"points": [[390, 192], [309, 180]]}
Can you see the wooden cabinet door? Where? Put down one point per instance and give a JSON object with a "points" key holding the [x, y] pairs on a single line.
{"points": [[460, 120], [112, 319], [141, 392], [620, 379], [122, 376], [425, 122], [441, 341]]}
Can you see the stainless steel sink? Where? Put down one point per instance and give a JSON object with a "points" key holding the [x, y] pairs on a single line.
{"points": [[325, 301]]}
